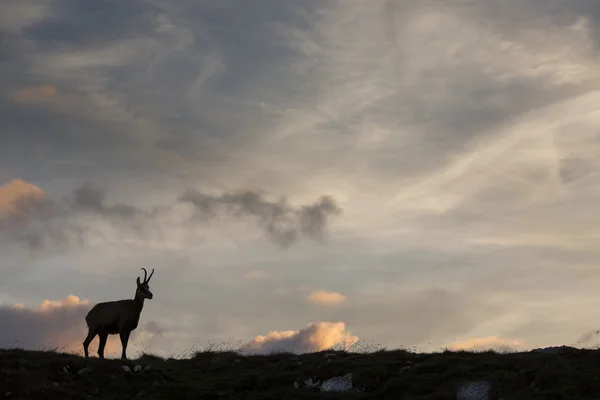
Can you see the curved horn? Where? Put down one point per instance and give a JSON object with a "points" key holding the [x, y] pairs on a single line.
{"points": [[151, 273], [145, 273]]}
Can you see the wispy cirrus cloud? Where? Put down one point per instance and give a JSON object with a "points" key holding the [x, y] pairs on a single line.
{"points": [[17, 15]]}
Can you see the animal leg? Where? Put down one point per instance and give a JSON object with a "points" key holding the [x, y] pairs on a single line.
{"points": [[92, 332], [103, 336], [124, 339]]}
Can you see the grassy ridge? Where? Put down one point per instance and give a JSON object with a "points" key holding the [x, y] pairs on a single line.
{"points": [[383, 374]]}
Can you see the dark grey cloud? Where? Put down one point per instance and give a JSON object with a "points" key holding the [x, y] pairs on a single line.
{"points": [[150, 333], [90, 199], [87, 24], [281, 222], [39, 223], [153, 327]]}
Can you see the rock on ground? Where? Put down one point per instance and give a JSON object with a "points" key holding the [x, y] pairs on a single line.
{"points": [[474, 390]]}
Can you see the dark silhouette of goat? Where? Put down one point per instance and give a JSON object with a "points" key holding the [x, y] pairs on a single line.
{"points": [[117, 317]]}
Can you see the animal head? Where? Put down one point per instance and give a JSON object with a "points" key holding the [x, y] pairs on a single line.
{"points": [[142, 287]]}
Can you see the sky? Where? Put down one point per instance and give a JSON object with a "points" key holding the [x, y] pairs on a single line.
{"points": [[302, 175]]}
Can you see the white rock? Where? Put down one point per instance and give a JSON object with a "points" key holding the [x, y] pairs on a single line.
{"points": [[137, 368], [126, 368], [296, 385], [474, 390], [310, 384], [338, 384]]}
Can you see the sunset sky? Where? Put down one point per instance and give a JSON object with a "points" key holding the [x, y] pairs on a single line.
{"points": [[302, 174]]}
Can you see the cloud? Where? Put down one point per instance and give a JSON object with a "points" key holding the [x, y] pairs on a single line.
{"points": [[256, 274], [325, 298], [315, 337], [92, 199], [29, 217], [149, 334], [53, 324], [60, 324], [281, 222], [16, 15], [154, 328], [458, 92], [18, 196], [487, 343], [34, 94], [460, 139], [41, 222]]}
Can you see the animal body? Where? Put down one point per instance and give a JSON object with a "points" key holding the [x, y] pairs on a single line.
{"points": [[117, 317]]}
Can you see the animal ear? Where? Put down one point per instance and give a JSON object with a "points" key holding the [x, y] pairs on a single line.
{"points": [[138, 281]]}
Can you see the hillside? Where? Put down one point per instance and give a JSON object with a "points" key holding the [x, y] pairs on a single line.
{"points": [[572, 374]]}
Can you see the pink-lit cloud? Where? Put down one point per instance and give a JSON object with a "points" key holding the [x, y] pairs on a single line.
{"points": [[256, 274], [487, 343], [315, 337], [60, 324], [325, 298], [34, 94], [14, 195], [53, 324]]}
